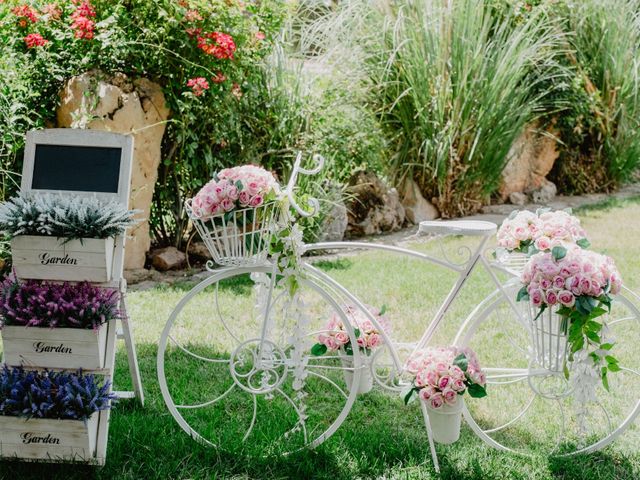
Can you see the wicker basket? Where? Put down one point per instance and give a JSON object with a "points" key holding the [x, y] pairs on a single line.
{"points": [[240, 237]]}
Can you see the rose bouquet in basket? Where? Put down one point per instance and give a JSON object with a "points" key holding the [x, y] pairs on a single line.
{"points": [[529, 233], [575, 288], [441, 376], [235, 213], [335, 338]]}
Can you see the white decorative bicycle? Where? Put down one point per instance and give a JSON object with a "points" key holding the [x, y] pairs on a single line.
{"points": [[251, 382]]}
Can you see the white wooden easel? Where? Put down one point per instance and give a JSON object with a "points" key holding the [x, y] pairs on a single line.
{"points": [[94, 138]]}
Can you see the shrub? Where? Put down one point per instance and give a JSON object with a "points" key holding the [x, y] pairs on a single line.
{"points": [[53, 305], [64, 216], [58, 395]]}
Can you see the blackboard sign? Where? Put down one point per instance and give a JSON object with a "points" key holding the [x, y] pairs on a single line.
{"points": [[76, 168]]}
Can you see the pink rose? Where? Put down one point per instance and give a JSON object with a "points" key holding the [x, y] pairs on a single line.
{"points": [[450, 397], [558, 282], [543, 243], [255, 201], [458, 385], [536, 297], [444, 382], [431, 377], [342, 338], [374, 340], [436, 400], [244, 198], [566, 298], [552, 298]]}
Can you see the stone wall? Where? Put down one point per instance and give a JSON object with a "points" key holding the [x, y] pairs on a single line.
{"points": [[117, 104]]}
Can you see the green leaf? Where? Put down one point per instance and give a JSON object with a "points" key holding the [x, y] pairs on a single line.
{"points": [[461, 362], [319, 349], [593, 336], [605, 380], [408, 396], [558, 253], [607, 346], [477, 391], [565, 369], [523, 294], [356, 332], [583, 243], [383, 309]]}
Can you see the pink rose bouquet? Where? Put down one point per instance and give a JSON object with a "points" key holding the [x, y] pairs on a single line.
{"points": [[234, 188], [441, 374], [335, 336], [528, 232], [579, 285]]}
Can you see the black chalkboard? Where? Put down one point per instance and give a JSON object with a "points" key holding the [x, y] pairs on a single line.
{"points": [[80, 169]]}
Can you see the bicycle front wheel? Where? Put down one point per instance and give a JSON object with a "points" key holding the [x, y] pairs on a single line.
{"points": [[531, 409], [236, 368]]}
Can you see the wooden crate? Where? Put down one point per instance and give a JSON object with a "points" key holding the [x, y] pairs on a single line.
{"points": [[46, 439], [68, 348], [50, 258]]}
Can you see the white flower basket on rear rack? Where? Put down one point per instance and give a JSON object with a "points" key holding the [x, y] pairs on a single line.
{"points": [[549, 335], [513, 262], [239, 237]]}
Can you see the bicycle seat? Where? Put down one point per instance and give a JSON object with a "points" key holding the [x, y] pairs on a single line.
{"points": [[472, 228]]}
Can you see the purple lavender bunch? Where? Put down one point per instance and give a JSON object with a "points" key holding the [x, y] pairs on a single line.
{"points": [[59, 395], [33, 303]]}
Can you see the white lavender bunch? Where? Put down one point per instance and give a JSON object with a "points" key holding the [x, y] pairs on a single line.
{"points": [[64, 216]]}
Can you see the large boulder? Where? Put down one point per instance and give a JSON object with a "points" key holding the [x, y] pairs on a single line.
{"points": [[118, 104], [373, 207], [417, 209], [335, 222], [530, 160], [169, 258]]}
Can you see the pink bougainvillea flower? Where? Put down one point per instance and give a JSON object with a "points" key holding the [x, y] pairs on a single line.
{"points": [[193, 32], [198, 85], [35, 40], [218, 44], [25, 13], [192, 16], [82, 24], [219, 77], [52, 11]]}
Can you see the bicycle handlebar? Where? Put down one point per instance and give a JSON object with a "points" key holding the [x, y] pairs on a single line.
{"points": [[312, 203]]}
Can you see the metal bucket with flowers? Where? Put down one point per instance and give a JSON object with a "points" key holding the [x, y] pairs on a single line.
{"points": [[440, 377], [235, 214], [570, 292], [368, 336]]}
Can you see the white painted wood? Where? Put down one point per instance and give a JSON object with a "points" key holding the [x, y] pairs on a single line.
{"points": [[50, 258], [68, 348], [82, 138], [48, 439], [132, 356]]}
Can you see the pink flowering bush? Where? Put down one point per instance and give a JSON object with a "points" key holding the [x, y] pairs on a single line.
{"points": [[247, 186], [579, 285], [335, 337], [529, 232], [442, 374]]}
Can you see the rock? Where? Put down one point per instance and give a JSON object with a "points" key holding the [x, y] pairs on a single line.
{"points": [[143, 286], [518, 198], [545, 193], [531, 158], [417, 209], [137, 275], [334, 224], [168, 258], [372, 208], [117, 104], [199, 250]]}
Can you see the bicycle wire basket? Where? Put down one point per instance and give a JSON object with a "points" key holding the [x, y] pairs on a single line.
{"points": [[513, 261], [549, 334], [237, 238]]}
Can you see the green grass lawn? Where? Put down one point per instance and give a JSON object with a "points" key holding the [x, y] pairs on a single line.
{"points": [[380, 437]]}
